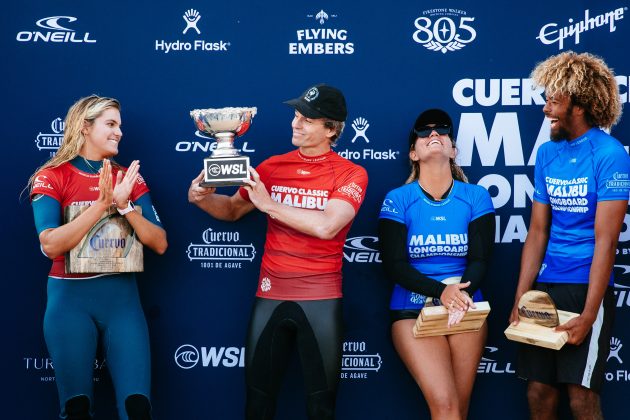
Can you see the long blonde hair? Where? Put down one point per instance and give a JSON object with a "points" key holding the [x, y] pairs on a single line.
{"points": [[82, 113]]}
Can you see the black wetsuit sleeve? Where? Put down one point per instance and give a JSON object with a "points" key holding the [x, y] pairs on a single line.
{"points": [[392, 237], [480, 242]]}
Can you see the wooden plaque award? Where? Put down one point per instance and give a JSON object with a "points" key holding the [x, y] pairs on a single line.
{"points": [[110, 246], [433, 320], [538, 317]]}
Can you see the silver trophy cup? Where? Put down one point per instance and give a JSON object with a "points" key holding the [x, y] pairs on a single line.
{"points": [[225, 166]]}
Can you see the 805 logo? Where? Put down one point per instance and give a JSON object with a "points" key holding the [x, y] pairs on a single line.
{"points": [[444, 30]]}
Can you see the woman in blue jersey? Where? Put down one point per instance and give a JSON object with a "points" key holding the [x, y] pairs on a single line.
{"points": [[435, 230], [83, 309]]}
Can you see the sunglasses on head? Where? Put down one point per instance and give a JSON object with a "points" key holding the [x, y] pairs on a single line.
{"points": [[426, 131]]}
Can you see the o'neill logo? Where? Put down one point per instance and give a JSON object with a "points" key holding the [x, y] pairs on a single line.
{"points": [[490, 365], [550, 33], [191, 18], [51, 141], [206, 144], [187, 356], [221, 250], [362, 249], [56, 32], [444, 29], [356, 363], [320, 40]]}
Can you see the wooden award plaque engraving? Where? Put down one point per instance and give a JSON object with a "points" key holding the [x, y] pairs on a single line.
{"points": [[110, 246], [433, 320], [538, 317]]}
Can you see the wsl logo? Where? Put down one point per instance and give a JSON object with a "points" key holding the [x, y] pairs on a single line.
{"points": [[51, 141], [55, 31], [191, 19], [221, 250], [355, 363], [362, 249], [444, 30], [187, 356], [206, 144], [321, 40]]}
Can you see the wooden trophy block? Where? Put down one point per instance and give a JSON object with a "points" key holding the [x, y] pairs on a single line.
{"points": [[433, 320], [110, 246], [538, 317]]}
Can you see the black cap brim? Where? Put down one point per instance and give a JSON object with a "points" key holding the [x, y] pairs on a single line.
{"points": [[304, 109]]}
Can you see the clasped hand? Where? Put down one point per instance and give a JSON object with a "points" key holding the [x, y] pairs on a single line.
{"points": [[457, 301]]}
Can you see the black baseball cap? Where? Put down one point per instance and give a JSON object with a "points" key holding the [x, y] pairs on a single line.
{"points": [[430, 116], [321, 101]]}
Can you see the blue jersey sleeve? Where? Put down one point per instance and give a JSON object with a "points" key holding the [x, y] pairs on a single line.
{"points": [[392, 208], [482, 204], [540, 186], [613, 170]]}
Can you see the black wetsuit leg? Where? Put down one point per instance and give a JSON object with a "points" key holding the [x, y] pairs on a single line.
{"points": [[276, 326]]}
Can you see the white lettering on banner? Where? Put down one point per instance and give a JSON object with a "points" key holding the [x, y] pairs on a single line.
{"points": [[309, 40], [550, 34], [369, 154], [509, 92], [450, 31], [355, 364], [191, 19], [58, 33], [356, 250], [505, 131], [488, 365]]}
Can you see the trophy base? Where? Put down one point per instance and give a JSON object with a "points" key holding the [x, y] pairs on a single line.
{"points": [[433, 320], [539, 335], [216, 184], [225, 171]]}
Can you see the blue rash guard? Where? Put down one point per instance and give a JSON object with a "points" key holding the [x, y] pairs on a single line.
{"points": [[572, 177], [437, 232]]}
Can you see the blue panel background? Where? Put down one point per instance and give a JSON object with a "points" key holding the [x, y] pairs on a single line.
{"points": [[387, 80]]}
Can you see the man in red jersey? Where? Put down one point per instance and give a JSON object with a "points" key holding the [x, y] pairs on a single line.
{"points": [[310, 196]]}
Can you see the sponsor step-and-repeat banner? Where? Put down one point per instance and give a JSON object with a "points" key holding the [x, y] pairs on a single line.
{"points": [[163, 59]]}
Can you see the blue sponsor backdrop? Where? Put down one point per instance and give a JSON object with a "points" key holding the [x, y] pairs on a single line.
{"points": [[392, 60]]}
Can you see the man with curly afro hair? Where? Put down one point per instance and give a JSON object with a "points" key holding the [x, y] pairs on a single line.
{"points": [[581, 194]]}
